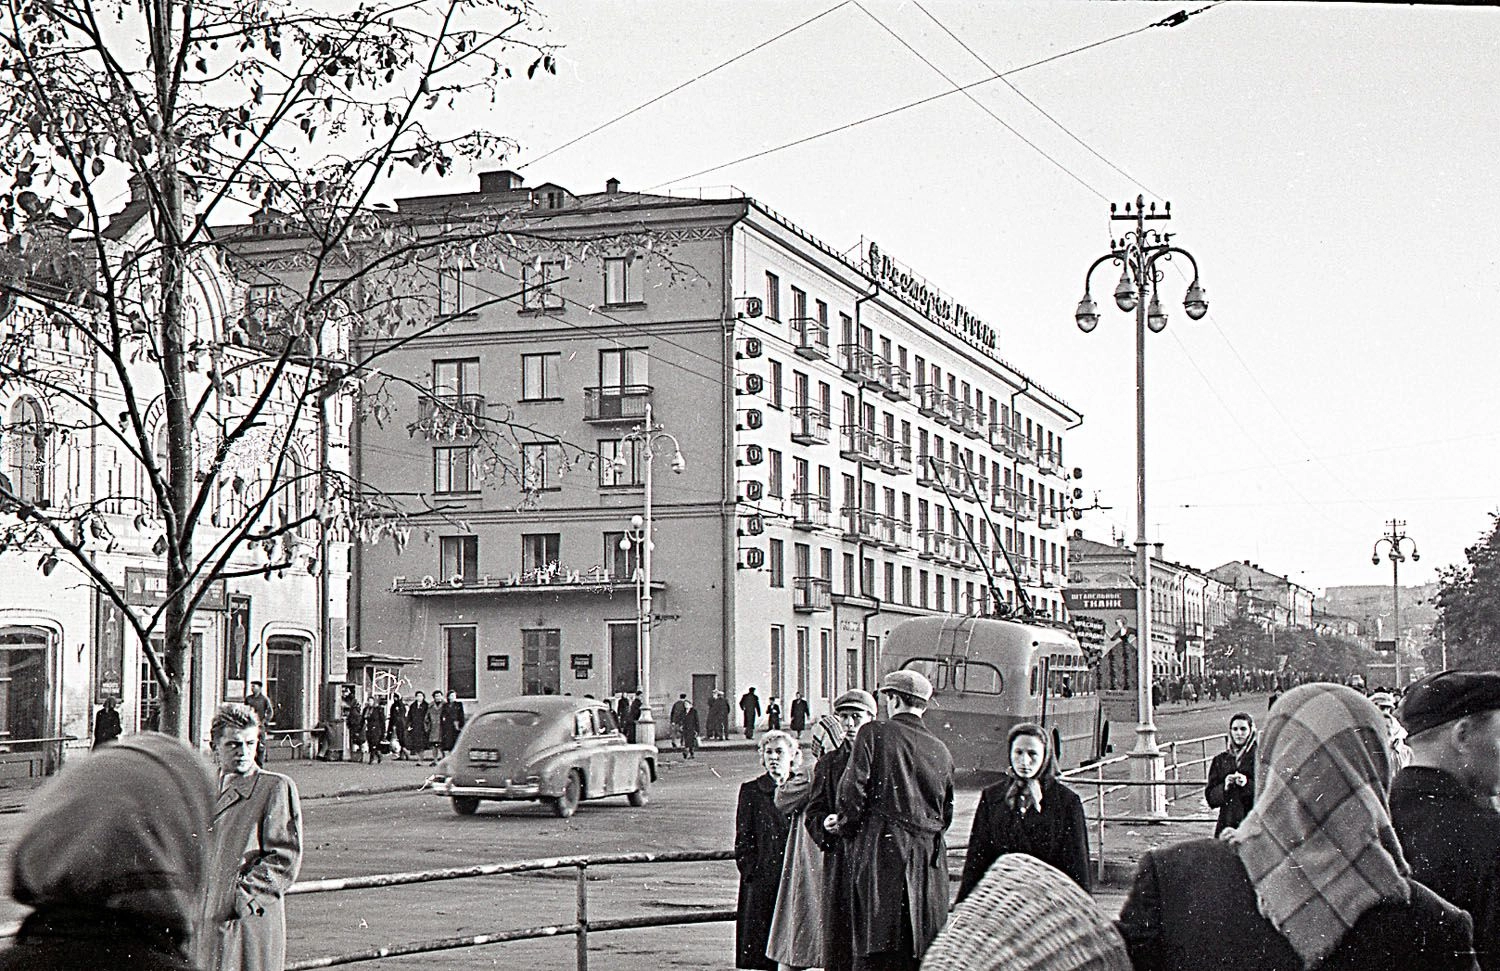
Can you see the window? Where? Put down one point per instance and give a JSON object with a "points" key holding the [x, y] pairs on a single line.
{"points": [[623, 367], [541, 672], [619, 463], [540, 550], [774, 396], [458, 557], [825, 564], [622, 281], [539, 283], [27, 452], [455, 377], [541, 377], [849, 577], [825, 662], [804, 659], [851, 667], [461, 658], [799, 303], [890, 583], [621, 562], [540, 466], [261, 300], [773, 473], [453, 470], [775, 563], [778, 661], [922, 588], [906, 585], [940, 592], [773, 296], [454, 289]]}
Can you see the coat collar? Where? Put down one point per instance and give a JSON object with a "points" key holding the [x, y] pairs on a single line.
{"points": [[238, 789], [1432, 782]]}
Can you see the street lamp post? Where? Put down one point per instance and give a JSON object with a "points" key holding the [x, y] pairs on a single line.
{"points": [[1397, 555], [1137, 252], [650, 437]]}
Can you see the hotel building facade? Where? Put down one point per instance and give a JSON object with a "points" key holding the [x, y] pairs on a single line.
{"points": [[844, 429]]}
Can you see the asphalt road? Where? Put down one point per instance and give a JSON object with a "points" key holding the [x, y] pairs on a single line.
{"points": [[692, 808]]}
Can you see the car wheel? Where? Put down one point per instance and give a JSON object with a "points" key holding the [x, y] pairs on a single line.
{"points": [[642, 793], [567, 803], [465, 805]]}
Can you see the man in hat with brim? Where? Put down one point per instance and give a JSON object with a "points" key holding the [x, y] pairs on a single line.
{"points": [[896, 795], [854, 709], [1441, 803]]}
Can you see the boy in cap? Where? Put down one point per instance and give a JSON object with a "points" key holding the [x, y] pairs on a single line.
{"points": [[1441, 803], [901, 804]]}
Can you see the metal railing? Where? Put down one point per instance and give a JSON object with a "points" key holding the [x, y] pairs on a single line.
{"points": [[1105, 785], [580, 928]]}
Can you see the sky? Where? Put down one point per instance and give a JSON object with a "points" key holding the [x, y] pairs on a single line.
{"points": [[1331, 167]]}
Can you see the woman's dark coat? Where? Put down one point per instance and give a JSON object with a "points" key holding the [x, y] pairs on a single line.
{"points": [[1193, 907], [1058, 834], [451, 724], [689, 728], [416, 726], [398, 723], [760, 834], [356, 723], [838, 929], [374, 724], [1233, 802]]}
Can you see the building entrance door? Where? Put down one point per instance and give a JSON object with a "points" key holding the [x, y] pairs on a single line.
{"points": [[28, 706], [286, 665], [703, 693], [624, 658]]}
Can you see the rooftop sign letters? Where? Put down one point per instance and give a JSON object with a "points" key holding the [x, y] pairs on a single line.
{"points": [[928, 300]]}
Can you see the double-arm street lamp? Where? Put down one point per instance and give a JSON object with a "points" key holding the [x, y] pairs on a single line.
{"points": [[1396, 542], [1137, 252], [648, 438]]}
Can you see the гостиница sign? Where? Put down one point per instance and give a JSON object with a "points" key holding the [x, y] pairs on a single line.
{"points": [[931, 302]]}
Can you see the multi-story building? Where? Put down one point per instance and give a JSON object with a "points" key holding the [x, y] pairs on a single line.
{"points": [[64, 644], [847, 435], [1268, 598], [1187, 605]]}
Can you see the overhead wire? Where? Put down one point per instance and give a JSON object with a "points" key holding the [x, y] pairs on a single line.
{"points": [[693, 80]]}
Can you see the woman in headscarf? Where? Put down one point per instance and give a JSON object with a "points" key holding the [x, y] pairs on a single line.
{"points": [[797, 927], [1029, 811], [1231, 775], [1313, 877], [114, 863]]}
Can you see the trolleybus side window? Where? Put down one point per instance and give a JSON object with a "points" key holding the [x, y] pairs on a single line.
{"points": [[933, 669], [1034, 669]]}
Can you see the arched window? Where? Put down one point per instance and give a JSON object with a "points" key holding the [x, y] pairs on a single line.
{"points": [[27, 453]]}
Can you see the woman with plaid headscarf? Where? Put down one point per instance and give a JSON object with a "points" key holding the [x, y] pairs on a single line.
{"points": [[1313, 877], [797, 927]]}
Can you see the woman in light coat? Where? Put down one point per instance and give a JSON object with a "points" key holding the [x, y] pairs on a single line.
{"points": [[796, 939]]}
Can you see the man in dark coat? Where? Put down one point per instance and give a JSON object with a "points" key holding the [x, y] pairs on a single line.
{"points": [[853, 708], [398, 726], [374, 730], [416, 726], [750, 711], [452, 721], [760, 835], [265, 711], [718, 716], [1441, 803], [675, 718], [688, 729], [799, 713], [898, 791], [107, 723]]}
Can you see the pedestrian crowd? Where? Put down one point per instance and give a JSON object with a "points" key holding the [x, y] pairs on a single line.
{"points": [[418, 730], [1353, 832]]}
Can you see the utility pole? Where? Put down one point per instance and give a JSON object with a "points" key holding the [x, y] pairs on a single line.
{"points": [[1396, 554]]}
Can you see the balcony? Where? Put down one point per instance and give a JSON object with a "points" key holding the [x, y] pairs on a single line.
{"points": [[809, 425], [809, 510], [932, 402], [933, 545], [895, 382], [1000, 439], [967, 419], [812, 338], [619, 404], [859, 363], [939, 474], [1048, 517], [447, 417], [1005, 501], [895, 457], [859, 444], [1025, 451], [860, 524], [926, 475], [885, 530], [1025, 508], [980, 490], [902, 534], [811, 595], [1048, 461]]}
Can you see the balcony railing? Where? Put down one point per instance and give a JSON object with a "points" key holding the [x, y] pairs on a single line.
{"points": [[1025, 450], [860, 524], [1048, 461], [1005, 501], [809, 425], [933, 544], [897, 459], [981, 487], [812, 338], [1025, 508], [859, 444], [449, 416], [811, 594], [895, 382], [859, 363], [619, 403], [902, 532], [809, 510], [926, 474], [885, 530], [932, 402], [1048, 518], [1000, 439]]}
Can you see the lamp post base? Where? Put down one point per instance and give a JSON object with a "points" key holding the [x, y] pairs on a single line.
{"points": [[1148, 765], [645, 727]]}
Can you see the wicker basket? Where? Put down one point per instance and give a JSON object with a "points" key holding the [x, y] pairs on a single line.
{"points": [[1027, 916]]}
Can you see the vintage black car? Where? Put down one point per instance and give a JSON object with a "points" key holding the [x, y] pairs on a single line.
{"points": [[557, 749]]}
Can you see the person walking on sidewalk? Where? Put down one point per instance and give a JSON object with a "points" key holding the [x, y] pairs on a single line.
{"points": [[435, 725], [1231, 775], [687, 726], [674, 723], [399, 740], [416, 727], [453, 718], [773, 715], [107, 723], [375, 730], [265, 711], [897, 792], [799, 714], [750, 711], [718, 716]]}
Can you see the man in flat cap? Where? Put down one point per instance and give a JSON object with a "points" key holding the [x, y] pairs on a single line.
{"points": [[1441, 803], [897, 791], [854, 709]]}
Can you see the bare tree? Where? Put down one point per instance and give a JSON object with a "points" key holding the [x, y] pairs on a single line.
{"points": [[207, 113]]}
